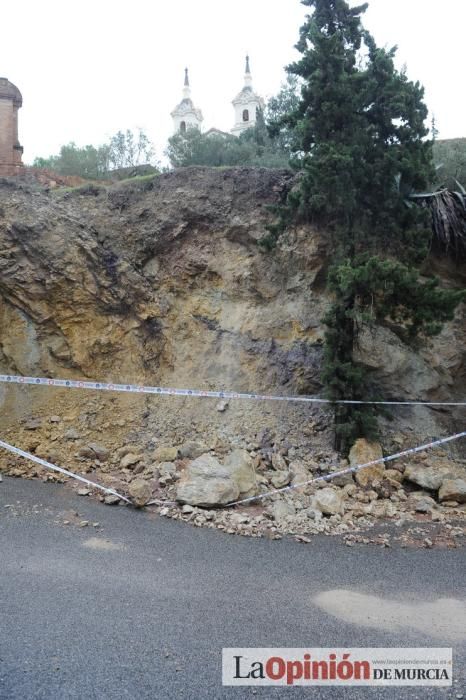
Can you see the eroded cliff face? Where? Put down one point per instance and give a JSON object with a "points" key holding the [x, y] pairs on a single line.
{"points": [[162, 282]]}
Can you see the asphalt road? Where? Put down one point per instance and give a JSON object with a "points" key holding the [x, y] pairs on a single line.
{"points": [[140, 607]]}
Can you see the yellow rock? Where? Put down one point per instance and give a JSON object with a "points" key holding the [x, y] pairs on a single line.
{"points": [[362, 452]]}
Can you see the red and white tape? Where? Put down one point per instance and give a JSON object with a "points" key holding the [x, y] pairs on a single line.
{"points": [[144, 389]]}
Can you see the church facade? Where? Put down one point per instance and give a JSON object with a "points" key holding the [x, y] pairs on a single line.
{"points": [[246, 105]]}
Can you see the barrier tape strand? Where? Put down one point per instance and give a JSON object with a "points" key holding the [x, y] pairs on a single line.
{"points": [[143, 389], [55, 468]]}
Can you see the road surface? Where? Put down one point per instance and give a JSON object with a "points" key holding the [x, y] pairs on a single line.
{"points": [[141, 606]]}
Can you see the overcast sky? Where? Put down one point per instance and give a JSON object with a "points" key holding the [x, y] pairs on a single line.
{"points": [[90, 68]]}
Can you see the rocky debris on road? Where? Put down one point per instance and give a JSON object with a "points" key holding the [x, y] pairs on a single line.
{"points": [[204, 475]]}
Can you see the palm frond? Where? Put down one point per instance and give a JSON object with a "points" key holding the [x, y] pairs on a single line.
{"points": [[448, 211]]}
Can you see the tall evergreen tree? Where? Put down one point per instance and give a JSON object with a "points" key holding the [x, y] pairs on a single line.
{"points": [[361, 144]]}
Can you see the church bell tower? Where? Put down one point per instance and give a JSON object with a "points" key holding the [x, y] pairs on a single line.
{"points": [[185, 114], [246, 104]]}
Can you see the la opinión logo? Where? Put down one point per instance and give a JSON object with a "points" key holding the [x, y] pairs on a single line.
{"points": [[320, 667]]}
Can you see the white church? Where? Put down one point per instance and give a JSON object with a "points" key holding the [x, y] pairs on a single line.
{"points": [[246, 105]]}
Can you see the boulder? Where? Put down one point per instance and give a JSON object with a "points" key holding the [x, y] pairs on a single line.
{"points": [[111, 500], [313, 513], [344, 479], [428, 477], [167, 472], [129, 460], [362, 452], [393, 475], [126, 449], [278, 462], [140, 492], [279, 510], [94, 451], [205, 482], [328, 501], [420, 502], [280, 479], [299, 475], [192, 449], [383, 509], [453, 490], [33, 424], [165, 454], [241, 468]]}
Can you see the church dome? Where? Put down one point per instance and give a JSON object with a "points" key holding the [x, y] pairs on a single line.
{"points": [[8, 91]]}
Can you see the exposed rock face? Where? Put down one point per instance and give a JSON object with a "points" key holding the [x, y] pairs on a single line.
{"points": [[163, 282]]}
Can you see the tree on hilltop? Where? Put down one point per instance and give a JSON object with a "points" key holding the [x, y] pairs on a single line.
{"points": [[123, 150]]}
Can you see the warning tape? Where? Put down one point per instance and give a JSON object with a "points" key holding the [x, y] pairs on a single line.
{"points": [[143, 389], [351, 470], [49, 465]]}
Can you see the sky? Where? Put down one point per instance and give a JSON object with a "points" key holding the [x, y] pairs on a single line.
{"points": [[88, 69]]}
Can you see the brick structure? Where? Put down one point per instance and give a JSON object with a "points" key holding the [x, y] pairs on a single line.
{"points": [[10, 149]]}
